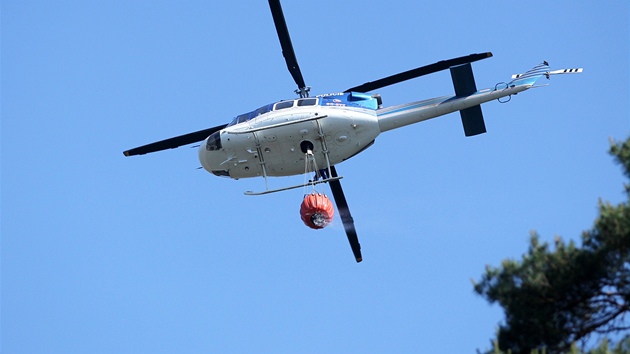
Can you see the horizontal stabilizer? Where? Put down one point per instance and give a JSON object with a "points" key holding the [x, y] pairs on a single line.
{"points": [[464, 84]]}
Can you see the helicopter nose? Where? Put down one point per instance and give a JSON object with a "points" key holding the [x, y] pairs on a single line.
{"points": [[212, 156]]}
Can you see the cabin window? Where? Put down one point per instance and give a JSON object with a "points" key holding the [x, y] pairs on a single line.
{"points": [[307, 102], [283, 105]]}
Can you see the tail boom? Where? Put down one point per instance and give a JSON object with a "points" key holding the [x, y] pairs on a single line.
{"points": [[399, 116]]}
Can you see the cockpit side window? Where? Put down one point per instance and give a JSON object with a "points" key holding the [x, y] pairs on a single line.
{"points": [[240, 119], [307, 102], [283, 105], [251, 115]]}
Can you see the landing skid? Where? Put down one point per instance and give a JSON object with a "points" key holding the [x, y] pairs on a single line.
{"points": [[268, 191]]}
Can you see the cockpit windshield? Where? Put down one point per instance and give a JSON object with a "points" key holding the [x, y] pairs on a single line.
{"points": [[251, 115]]}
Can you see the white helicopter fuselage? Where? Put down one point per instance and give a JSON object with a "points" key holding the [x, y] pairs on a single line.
{"points": [[274, 143]]}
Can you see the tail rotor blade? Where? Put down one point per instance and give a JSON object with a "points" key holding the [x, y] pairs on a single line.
{"points": [[417, 72]]}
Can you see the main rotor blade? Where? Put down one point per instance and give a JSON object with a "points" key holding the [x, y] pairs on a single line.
{"points": [[172, 143], [423, 70], [346, 218], [285, 43]]}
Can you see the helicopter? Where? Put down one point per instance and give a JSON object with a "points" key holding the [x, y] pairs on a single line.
{"points": [[314, 134]]}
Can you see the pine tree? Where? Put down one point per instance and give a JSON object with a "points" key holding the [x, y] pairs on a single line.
{"points": [[557, 296]]}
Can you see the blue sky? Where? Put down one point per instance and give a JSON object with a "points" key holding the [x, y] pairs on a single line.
{"points": [[107, 254]]}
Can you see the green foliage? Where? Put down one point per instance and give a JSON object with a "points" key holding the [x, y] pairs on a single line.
{"points": [[556, 296], [605, 347]]}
